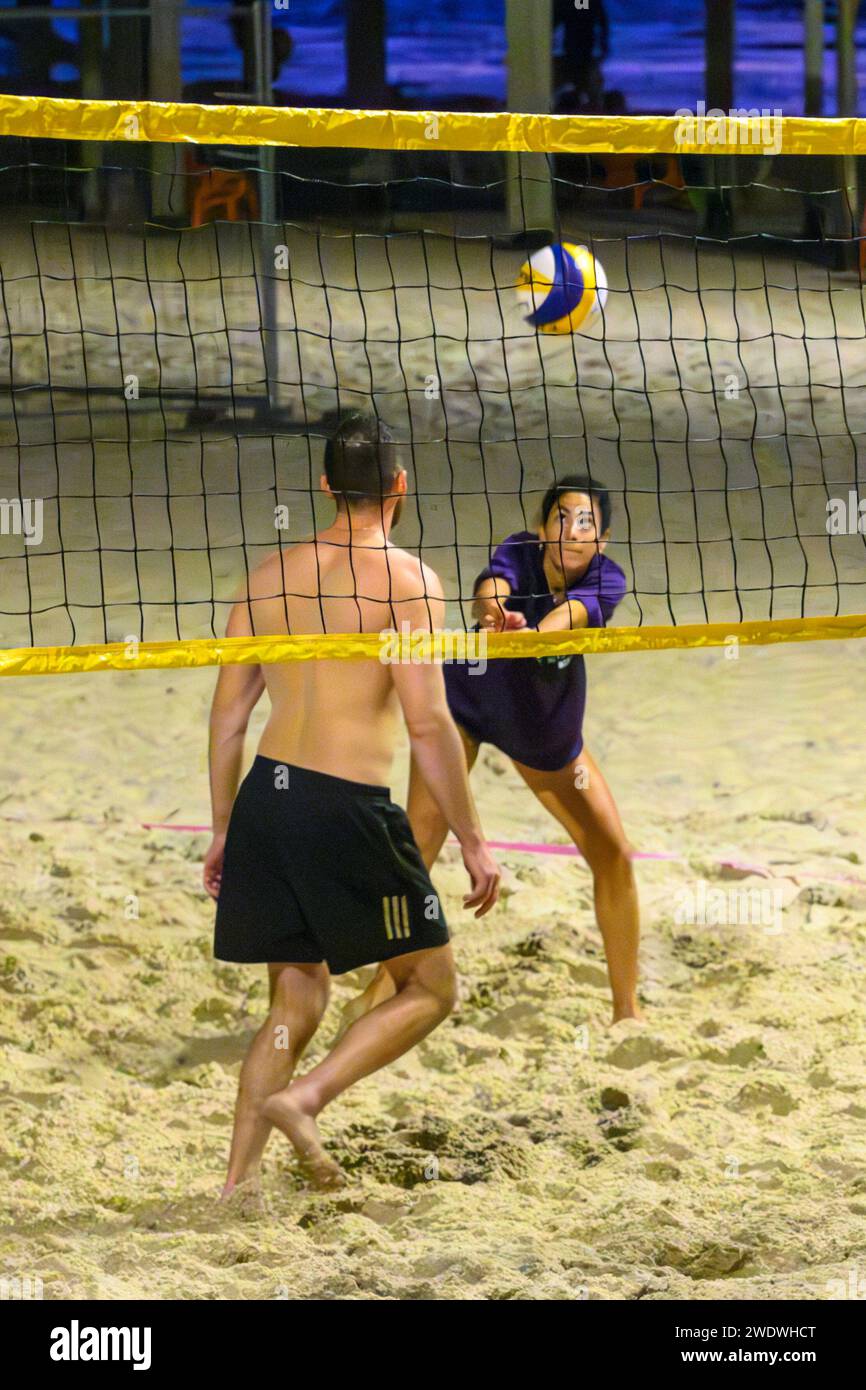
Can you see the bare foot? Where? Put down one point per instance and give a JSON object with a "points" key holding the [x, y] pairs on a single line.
{"points": [[626, 1011], [302, 1133], [628, 1020]]}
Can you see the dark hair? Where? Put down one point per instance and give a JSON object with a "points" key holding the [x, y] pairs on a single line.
{"points": [[360, 459], [577, 482]]}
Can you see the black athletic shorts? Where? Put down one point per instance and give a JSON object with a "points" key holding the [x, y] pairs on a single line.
{"points": [[320, 869]]}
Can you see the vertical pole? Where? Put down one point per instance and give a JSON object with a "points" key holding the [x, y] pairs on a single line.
{"points": [[164, 84], [846, 104], [719, 42], [125, 59], [34, 49], [164, 51], [719, 53], [90, 31], [263, 43], [846, 58], [814, 55], [124, 75], [529, 28], [366, 54], [91, 88]]}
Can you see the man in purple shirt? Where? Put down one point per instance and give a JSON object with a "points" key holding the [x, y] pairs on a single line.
{"points": [[532, 709]]}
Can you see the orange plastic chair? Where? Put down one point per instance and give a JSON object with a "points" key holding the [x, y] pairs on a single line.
{"points": [[622, 170], [221, 192]]}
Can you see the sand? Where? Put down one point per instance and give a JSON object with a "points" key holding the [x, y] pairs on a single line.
{"points": [[524, 1150]]}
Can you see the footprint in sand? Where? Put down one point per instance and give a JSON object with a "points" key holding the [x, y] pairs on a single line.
{"points": [[519, 1019], [739, 1054], [198, 1212], [588, 973], [659, 1170], [638, 1048], [612, 1098], [757, 1095]]}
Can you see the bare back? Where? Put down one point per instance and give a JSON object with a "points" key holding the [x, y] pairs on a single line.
{"points": [[338, 717]]}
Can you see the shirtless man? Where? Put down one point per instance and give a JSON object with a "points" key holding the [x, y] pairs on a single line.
{"points": [[314, 869]]}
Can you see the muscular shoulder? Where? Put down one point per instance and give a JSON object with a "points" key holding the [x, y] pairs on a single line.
{"points": [[412, 578], [265, 578], [416, 594]]}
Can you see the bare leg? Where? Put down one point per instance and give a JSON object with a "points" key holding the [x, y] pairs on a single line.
{"points": [[380, 988], [426, 990], [299, 996], [430, 829], [581, 801], [429, 826]]}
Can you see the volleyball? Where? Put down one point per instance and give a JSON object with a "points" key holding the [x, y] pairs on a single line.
{"points": [[562, 285]]}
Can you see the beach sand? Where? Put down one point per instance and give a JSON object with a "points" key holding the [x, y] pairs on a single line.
{"points": [[524, 1150]]}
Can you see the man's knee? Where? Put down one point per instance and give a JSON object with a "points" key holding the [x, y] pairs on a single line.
{"points": [[444, 990], [299, 990], [446, 994]]}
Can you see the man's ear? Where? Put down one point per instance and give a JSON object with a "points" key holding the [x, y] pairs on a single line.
{"points": [[401, 483], [325, 486]]}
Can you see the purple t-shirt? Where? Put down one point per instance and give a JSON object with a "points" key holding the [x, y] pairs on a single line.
{"points": [[532, 707]]}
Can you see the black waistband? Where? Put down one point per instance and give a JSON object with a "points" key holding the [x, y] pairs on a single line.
{"points": [[324, 781]]}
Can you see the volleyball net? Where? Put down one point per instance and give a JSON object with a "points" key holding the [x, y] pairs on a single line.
{"points": [[191, 296]]}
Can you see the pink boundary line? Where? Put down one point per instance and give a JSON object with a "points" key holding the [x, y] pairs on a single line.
{"points": [[572, 852]]}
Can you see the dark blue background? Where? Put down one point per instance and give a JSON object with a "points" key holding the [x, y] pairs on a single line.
{"points": [[449, 47]]}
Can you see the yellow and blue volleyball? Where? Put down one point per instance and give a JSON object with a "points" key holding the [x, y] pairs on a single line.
{"points": [[562, 286]]}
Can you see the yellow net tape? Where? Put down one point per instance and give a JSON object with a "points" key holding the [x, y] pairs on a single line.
{"points": [[60, 118], [414, 648]]}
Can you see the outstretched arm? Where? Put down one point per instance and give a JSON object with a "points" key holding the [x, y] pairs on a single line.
{"points": [[590, 602], [238, 690], [571, 613], [489, 605]]}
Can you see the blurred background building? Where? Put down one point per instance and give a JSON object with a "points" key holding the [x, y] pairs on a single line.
{"points": [[595, 56], [427, 53]]}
